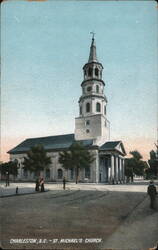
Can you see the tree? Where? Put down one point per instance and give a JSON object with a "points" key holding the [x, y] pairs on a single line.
{"points": [[36, 160], [9, 168], [76, 157], [135, 165], [136, 155], [153, 163], [129, 168]]}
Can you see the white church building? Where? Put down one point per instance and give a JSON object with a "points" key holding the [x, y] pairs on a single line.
{"points": [[91, 128]]}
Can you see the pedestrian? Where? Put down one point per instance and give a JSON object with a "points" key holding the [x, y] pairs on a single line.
{"points": [[17, 190], [42, 184], [64, 183], [152, 193], [37, 185], [7, 178]]}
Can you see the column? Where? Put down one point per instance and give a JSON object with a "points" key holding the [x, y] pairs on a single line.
{"points": [[116, 169], [109, 170], [121, 176], [51, 173], [112, 168], [97, 162], [123, 169]]}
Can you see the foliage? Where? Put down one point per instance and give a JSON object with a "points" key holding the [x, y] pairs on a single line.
{"points": [[77, 157], [136, 155], [129, 168], [135, 165], [36, 159], [153, 163], [11, 167]]}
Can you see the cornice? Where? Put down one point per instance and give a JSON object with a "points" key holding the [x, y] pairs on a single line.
{"points": [[93, 79], [91, 96]]}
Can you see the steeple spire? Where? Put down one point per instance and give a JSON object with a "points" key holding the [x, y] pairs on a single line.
{"points": [[92, 54]]}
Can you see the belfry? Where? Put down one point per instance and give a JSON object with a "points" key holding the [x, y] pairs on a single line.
{"points": [[92, 122], [91, 129]]}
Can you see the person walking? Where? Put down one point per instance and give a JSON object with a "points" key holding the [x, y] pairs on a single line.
{"points": [[7, 178], [42, 184], [152, 193], [37, 185], [64, 183]]}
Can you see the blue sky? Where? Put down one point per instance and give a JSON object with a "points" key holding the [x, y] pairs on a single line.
{"points": [[44, 47]]}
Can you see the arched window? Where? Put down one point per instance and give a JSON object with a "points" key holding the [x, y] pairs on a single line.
{"points": [[97, 88], [96, 71], [89, 88], [98, 107], [25, 173], [47, 173], [87, 107], [88, 122], [87, 172], [80, 110], [60, 173], [71, 173], [90, 72]]}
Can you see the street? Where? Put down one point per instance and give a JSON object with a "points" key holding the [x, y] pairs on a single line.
{"points": [[84, 216]]}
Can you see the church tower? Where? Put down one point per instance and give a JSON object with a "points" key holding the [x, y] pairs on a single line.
{"points": [[92, 122]]}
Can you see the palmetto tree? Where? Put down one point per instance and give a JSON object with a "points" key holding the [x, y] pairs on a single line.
{"points": [[36, 159], [76, 157]]}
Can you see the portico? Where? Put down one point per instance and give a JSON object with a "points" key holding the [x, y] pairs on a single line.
{"points": [[111, 158]]}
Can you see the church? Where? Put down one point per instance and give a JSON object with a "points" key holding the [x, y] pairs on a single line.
{"points": [[91, 128]]}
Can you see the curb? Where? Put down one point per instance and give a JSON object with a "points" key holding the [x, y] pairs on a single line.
{"points": [[11, 195]]}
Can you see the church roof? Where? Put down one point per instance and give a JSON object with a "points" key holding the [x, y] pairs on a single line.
{"points": [[50, 143], [113, 145]]}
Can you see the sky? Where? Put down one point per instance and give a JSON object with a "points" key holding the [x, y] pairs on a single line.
{"points": [[45, 44]]}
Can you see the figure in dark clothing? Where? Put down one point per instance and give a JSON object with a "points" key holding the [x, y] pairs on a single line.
{"points": [[37, 185], [64, 183], [152, 193], [42, 184], [7, 179]]}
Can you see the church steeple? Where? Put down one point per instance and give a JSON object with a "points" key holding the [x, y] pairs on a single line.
{"points": [[92, 122], [93, 53]]}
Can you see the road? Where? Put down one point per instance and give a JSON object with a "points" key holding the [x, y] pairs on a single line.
{"points": [[80, 217]]}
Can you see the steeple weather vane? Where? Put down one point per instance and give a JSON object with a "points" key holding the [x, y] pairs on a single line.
{"points": [[93, 34]]}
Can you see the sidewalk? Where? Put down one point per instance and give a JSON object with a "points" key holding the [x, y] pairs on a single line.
{"points": [[139, 230], [11, 189], [28, 188]]}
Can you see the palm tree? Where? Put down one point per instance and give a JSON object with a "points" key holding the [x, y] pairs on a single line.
{"points": [[36, 159], [76, 157]]}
